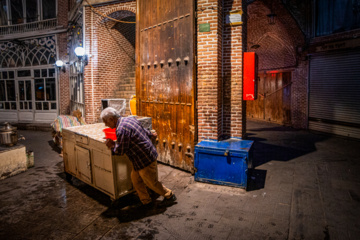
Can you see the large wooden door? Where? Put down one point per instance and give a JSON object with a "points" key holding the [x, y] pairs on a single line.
{"points": [[165, 76], [274, 98]]}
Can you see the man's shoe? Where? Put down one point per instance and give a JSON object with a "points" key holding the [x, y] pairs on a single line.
{"points": [[170, 200]]}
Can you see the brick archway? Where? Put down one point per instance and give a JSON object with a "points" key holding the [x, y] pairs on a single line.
{"points": [[113, 10], [112, 51]]}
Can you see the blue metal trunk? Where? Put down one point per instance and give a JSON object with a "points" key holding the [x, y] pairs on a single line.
{"points": [[224, 162]]}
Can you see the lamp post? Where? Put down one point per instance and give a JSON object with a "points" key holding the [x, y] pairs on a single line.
{"points": [[82, 57], [60, 65], [80, 52], [80, 65]]}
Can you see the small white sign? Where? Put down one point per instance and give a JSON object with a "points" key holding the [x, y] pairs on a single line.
{"points": [[234, 18]]}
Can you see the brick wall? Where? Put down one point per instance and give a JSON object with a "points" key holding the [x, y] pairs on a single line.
{"points": [[299, 99], [234, 112], [209, 81], [64, 76], [62, 16], [113, 56], [278, 49], [62, 19], [219, 73], [278, 42], [106, 75]]}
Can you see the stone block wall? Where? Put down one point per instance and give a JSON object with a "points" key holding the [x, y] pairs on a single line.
{"points": [[13, 161]]}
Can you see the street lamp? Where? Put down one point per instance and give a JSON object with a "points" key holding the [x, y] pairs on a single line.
{"points": [[80, 53], [82, 57], [60, 65]]}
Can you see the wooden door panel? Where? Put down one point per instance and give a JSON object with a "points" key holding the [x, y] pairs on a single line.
{"points": [[274, 98], [103, 171], [255, 108], [166, 76], [83, 163], [69, 154], [277, 101]]}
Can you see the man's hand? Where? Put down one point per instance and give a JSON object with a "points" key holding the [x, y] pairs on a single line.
{"points": [[153, 134], [153, 137], [110, 143]]}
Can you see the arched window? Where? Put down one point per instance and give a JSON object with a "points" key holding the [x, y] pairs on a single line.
{"points": [[34, 52]]}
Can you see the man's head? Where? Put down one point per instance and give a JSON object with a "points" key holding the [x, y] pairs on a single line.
{"points": [[110, 117]]}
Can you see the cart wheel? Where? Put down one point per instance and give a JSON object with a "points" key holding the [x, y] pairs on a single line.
{"points": [[68, 177]]}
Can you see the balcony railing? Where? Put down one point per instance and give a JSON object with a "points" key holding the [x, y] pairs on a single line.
{"points": [[28, 27]]}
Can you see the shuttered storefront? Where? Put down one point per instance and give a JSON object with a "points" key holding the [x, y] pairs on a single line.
{"points": [[334, 97]]}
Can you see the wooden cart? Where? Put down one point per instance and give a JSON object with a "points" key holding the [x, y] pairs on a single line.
{"points": [[87, 158]]}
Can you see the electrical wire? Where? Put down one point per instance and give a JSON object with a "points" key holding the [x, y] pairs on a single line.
{"points": [[113, 19]]}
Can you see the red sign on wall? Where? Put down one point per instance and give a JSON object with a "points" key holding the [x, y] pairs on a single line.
{"points": [[249, 76]]}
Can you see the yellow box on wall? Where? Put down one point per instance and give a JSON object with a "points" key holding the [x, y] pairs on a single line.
{"points": [[234, 18]]}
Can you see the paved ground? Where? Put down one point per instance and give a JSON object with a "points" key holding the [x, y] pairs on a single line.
{"points": [[303, 186]]}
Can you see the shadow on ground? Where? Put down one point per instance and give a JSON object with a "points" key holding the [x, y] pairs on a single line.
{"points": [[90, 191], [256, 179], [272, 129], [264, 149], [127, 208], [264, 152], [134, 212], [54, 147], [287, 149]]}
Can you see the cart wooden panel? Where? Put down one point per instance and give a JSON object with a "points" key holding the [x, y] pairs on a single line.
{"points": [[87, 158]]}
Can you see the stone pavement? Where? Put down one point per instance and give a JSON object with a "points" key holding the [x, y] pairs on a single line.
{"points": [[303, 186]]}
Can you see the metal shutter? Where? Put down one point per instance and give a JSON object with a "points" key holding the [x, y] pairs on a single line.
{"points": [[334, 98]]}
